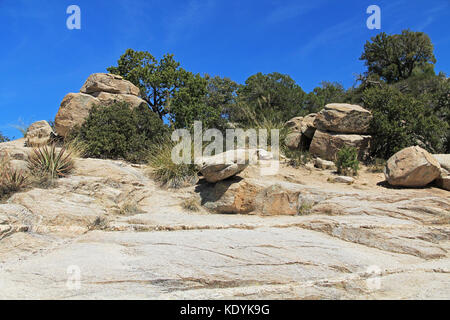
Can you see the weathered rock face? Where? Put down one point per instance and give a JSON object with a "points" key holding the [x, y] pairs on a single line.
{"points": [[308, 127], [295, 124], [295, 141], [443, 181], [15, 149], [106, 82], [327, 251], [412, 167], [444, 160], [38, 134], [305, 125], [249, 196], [101, 89], [326, 145], [343, 118], [107, 98], [73, 111]]}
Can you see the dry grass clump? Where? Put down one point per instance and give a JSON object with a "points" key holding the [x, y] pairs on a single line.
{"points": [[168, 173], [129, 207], [100, 223], [11, 180], [191, 203]]}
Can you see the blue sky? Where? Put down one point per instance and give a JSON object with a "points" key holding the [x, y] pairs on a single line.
{"points": [[312, 41]]}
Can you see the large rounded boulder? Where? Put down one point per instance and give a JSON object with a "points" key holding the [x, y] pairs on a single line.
{"points": [[38, 134], [73, 111], [412, 167]]}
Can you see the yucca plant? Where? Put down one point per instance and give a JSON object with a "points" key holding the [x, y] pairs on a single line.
{"points": [[50, 161], [13, 180]]}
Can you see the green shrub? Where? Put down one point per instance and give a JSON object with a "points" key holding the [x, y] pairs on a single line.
{"points": [[118, 132], [347, 161], [49, 162]]}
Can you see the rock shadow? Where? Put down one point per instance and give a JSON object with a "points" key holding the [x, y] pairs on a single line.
{"points": [[212, 192]]}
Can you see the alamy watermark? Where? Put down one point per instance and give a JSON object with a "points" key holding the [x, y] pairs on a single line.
{"points": [[374, 20], [191, 150], [73, 277], [373, 282], [74, 20]]}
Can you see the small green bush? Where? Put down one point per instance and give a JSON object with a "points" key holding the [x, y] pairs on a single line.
{"points": [[347, 161], [118, 132]]}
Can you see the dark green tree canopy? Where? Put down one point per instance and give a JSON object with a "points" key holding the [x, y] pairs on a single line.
{"points": [[328, 92], [274, 96], [402, 120], [158, 81], [396, 57]]}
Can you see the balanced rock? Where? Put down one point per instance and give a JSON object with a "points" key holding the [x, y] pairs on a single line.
{"points": [[412, 167], [343, 118], [224, 165], [106, 82], [326, 144], [38, 134]]}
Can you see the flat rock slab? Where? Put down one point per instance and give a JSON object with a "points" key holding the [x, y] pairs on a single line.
{"points": [[346, 243], [289, 262]]}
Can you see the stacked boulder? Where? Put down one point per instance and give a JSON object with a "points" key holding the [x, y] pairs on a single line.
{"points": [[326, 132], [339, 125], [99, 89]]}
